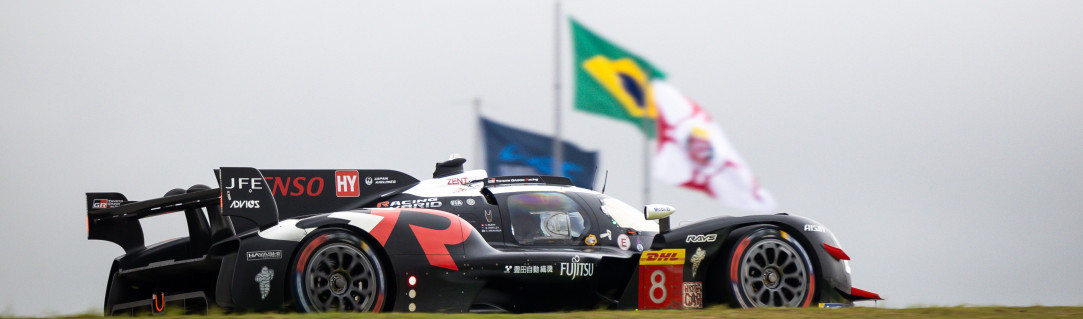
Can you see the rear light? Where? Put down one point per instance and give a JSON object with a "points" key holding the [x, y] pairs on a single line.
{"points": [[836, 252], [412, 281]]}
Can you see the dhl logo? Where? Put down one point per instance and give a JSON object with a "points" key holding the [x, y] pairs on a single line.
{"points": [[662, 257]]}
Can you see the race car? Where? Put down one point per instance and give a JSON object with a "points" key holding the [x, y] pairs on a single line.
{"points": [[360, 240]]}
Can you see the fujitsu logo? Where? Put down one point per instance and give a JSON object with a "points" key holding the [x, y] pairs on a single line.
{"points": [[346, 184]]}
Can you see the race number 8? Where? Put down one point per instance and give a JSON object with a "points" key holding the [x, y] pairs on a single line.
{"points": [[657, 284]]}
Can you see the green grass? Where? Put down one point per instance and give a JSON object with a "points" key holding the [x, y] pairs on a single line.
{"points": [[716, 312]]}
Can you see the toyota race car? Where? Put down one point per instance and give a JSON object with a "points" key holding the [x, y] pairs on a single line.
{"points": [[381, 240]]}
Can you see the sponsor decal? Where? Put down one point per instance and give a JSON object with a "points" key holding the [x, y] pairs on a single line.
{"points": [[368, 180], [456, 202], [834, 305], [249, 183], [536, 269], [488, 216], [264, 254], [264, 279], [591, 240], [696, 259], [709, 238], [105, 203], [624, 242], [471, 201], [383, 180], [430, 202], [662, 257], [639, 244], [296, 186], [252, 203], [515, 180], [608, 234], [489, 228], [576, 269], [660, 279], [457, 181], [346, 184], [816, 228], [693, 294]]}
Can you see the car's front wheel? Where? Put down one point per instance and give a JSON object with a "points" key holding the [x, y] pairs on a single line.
{"points": [[337, 271], [769, 268]]}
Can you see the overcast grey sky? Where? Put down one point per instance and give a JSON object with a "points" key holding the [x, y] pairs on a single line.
{"points": [[939, 140]]}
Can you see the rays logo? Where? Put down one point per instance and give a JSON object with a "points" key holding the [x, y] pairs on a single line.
{"points": [[709, 238], [626, 82]]}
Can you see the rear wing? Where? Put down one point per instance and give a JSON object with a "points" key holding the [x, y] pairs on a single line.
{"points": [[112, 217], [262, 197]]}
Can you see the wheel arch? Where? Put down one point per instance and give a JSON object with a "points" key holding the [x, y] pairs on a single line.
{"points": [[368, 239], [717, 290]]}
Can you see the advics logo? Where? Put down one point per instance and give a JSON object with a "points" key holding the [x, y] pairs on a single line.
{"points": [[254, 203], [346, 184]]}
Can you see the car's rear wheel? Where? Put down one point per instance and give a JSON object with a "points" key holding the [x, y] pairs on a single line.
{"points": [[337, 271], [769, 268]]}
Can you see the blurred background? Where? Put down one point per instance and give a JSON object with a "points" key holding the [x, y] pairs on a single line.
{"points": [[939, 140]]}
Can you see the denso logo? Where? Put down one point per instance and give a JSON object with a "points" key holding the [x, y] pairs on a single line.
{"points": [[709, 238], [296, 186], [245, 182], [346, 184], [457, 181], [658, 256], [816, 228], [244, 204]]}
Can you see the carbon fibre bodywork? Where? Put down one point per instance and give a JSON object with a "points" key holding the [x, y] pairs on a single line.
{"points": [[449, 244]]}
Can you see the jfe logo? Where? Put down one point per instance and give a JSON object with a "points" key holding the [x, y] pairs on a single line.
{"points": [[346, 184], [661, 257]]}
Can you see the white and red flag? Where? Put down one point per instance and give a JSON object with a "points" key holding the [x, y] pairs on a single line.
{"points": [[694, 153]]}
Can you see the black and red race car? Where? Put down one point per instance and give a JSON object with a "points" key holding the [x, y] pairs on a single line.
{"points": [[381, 240]]}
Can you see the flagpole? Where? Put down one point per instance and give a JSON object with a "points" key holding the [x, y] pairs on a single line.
{"points": [[480, 158], [558, 146]]}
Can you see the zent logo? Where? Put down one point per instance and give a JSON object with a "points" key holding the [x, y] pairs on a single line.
{"points": [[346, 184], [457, 181]]}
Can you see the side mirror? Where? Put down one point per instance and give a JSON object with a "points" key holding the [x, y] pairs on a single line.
{"points": [[657, 211]]}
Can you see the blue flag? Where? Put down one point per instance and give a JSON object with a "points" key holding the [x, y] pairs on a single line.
{"points": [[511, 151]]}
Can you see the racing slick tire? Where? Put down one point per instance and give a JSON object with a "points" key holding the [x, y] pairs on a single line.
{"points": [[335, 270], [769, 268]]}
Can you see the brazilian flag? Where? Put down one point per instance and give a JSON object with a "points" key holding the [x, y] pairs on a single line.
{"points": [[613, 82]]}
